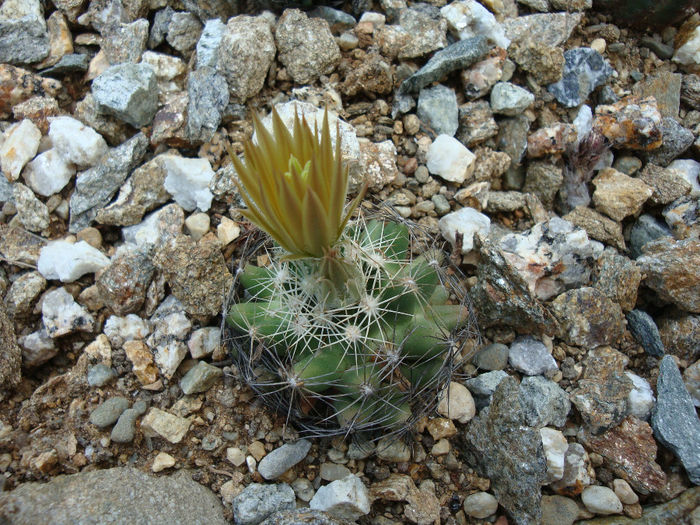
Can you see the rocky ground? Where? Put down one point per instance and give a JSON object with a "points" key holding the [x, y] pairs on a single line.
{"points": [[555, 149]]}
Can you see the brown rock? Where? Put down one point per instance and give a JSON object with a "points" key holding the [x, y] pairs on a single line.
{"points": [[38, 110], [630, 452], [10, 355], [18, 85], [633, 123], [665, 87], [19, 246], [619, 195], [372, 74], [550, 140], [618, 278], [672, 270], [597, 226], [476, 123], [124, 282], [142, 361], [422, 505], [544, 63], [169, 122], [667, 184], [680, 336]]}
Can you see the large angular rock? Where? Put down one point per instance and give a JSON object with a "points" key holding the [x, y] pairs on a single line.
{"points": [[257, 501], [23, 35], [128, 92]]}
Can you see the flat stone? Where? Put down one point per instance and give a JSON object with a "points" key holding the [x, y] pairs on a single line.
{"points": [[102, 493], [509, 99], [674, 419], [108, 412], [491, 357], [277, 462], [512, 137], [200, 378], [558, 510], [157, 422], [347, 498], [209, 42], [645, 331], [544, 179], [125, 429]]}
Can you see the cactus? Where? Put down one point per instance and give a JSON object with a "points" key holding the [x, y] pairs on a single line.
{"points": [[345, 329]]}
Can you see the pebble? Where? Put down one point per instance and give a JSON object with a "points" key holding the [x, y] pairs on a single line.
{"points": [[450, 159], [456, 403], [624, 492], [61, 315], [346, 498], [187, 180], [204, 342], [509, 99], [491, 357], [277, 462], [332, 471], [531, 357], [467, 19], [480, 505], [227, 231], [108, 412], [437, 107], [392, 448], [466, 221], [162, 461], [555, 445], [617, 195], [558, 510], [75, 142], [641, 397], [543, 402], [125, 429], [257, 501], [158, 422], [303, 489], [601, 500], [128, 92], [99, 375], [235, 456], [645, 331], [67, 261], [19, 145], [200, 378]]}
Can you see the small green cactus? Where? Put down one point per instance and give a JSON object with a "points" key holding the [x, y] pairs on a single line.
{"points": [[360, 338]]}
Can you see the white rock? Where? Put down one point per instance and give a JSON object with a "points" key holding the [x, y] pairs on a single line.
{"points": [[555, 445], [158, 422], [466, 221], [162, 461], [156, 228], [121, 329], [583, 122], [624, 492], [689, 53], [601, 500], [468, 18], [235, 455], [450, 159], [37, 348], [227, 231], [187, 180], [456, 403], [204, 341], [69, 261], [20, 144], [509, 99], [166, 67], [376, 19], [346, 498], [62, 315], [48, 173], [76, 142], [641, 398], [689, 169], [480, 505], [197, 225]]}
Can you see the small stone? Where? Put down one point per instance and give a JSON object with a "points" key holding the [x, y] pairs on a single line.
{"points": [[31, 212], [555, 445], [204, 341], [162, 461], [597, 226], [456, 403], [69, 261], [393, 449], [624, 492], [645, 331], [347, 498], [187, 180], [491, 357], [551, 140], [303, 489], [644, 230], [333, 471], [142, 361], [468, 19], [209, 42], [23, 33], [633, 123], [531, 357], [19, 85], [99, 375], [476, 123], [544, 179], [437, 107], [208, 99], [550, 29], [256, 502], [19, 145], [512, 138], [665, 87], [441, 428], [601, 500], [108, 412], [160, 423], [277, 462], [584, 70], [183, 32], [484, 385], [48, 173], [618, 195], [197, 225], [576, 472], [668, 184], [482, 76], [200, 378], [641, 397], [627, 164], [125, 42], [61, 315], [227, 231], [509, 99], [480, 505], [468, 222], [687, 46], [449, 159], [23, 292], [37, 348], [235, 455], [690, 170], [128, 92], [674, 419], [558, 510], [124, 430]]}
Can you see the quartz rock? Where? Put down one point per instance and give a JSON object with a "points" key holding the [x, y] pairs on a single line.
{"points": [[687, 52], [467, 222], [170, 328], [20, 142], [482, 76], [641, 398], [449, 159], [468, 18], [346, 498], [69, 261], [48, 173], [601, 500], [131, 327], [555, 445], [187, 180], [204, 342], [689, 169], [576, 471], [62, 315], [480, 505], [128, 92]]}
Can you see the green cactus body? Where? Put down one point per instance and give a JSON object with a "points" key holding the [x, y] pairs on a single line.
{"points": [[353, 339]]}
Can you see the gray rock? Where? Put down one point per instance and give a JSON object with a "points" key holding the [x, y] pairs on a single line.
{"points": [[547, 29], [459, 55], [680, 335], [676, 139], [95, 187], [645, 331], [512, 137], [208, 98], [250, 51], [257, 502], [24, 38], [509, 99], [124, 430], [544, 180], [99, 496], [476, 123], [109, 411], [558, 510], [543, 402], [71, 63], [437, 107], [208, 9], [183, 32], [483, 386], [200, 378], [584, 70], [306, 46], [427, 30], [499, 445], [333, 472], [100, 375], [338, 20], [31, 212], [159, 28], [128, 92], [303, 516], [6, 189], [646, 229], [618, 278], [209, 42], [491, 357], [277, 462], [530, 356], [125, 42], [346, 498], [674, 419]]}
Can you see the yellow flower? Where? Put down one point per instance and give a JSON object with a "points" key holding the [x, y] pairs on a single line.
{"points": [[295, 185]]}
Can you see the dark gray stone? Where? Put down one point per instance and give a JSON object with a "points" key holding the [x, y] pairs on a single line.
{"points": [[459, 55], [437, 107], [491, 357], [646, 229], [674, 420], [483, 386], [24, 40], [512, 137], [645, 331], [72, 63], [584, 70], [208, 98], [500, 446], [94, 188], [338, 20], [543, 402], [124, 430], [676, 139], [200, 378], [661, 50], [109, 411], [257, 502], [159, 28], [117, 495], [283, 458]]}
